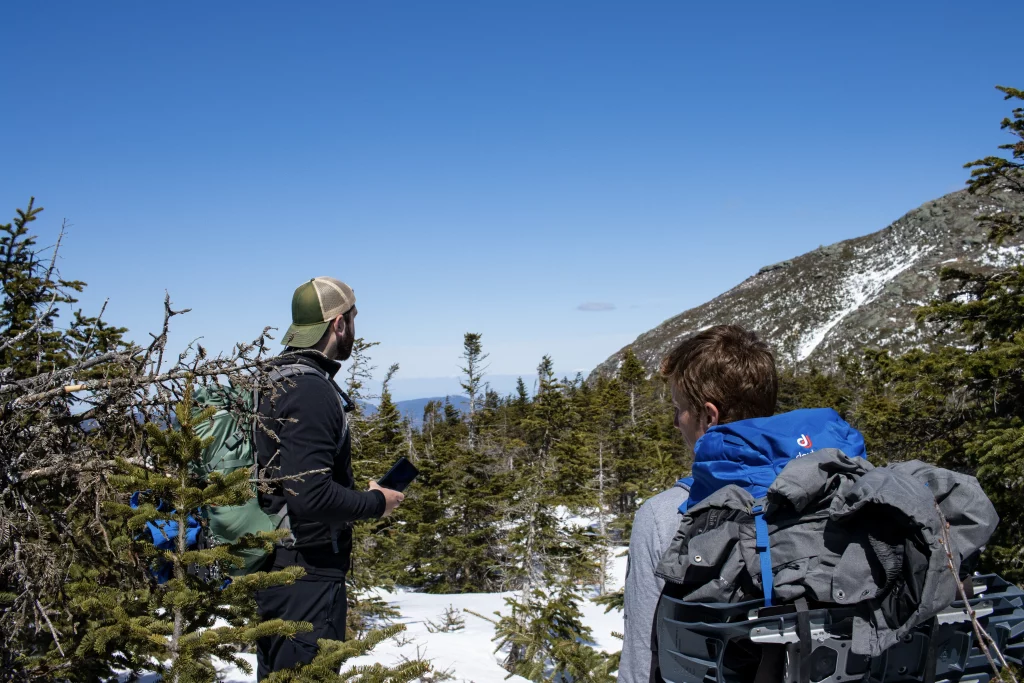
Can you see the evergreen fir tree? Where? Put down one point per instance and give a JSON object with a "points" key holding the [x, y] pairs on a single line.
{"points": [[334, 654], [547, 642], [384, 436], [995, 173], [51, 482], [359, 372], [963, 407], [553, 431], [374, 553], [33, 293], [449, 528], [543, 632], [420, 561], [450, 533], [82, 423], [522, 396], [472, 381], [631, 421], [192, 617]]}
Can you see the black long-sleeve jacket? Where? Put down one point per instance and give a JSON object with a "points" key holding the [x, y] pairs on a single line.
{"points": [[308, 419]]}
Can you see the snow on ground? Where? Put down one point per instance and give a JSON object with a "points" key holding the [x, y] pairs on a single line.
{"points": [[1003, 257], [468, 654]]}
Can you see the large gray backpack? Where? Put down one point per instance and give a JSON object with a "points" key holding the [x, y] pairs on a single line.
{"points": [[837, 551]]}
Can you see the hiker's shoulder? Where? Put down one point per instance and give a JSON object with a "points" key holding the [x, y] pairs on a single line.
{"points": [[306, 358], [661, 510], [301, 383], [302, 368]]}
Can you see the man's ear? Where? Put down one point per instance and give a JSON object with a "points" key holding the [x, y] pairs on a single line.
{"points": [[339, 325], [710, 415]]}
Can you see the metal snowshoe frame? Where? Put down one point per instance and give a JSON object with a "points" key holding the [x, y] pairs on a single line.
{"points": [[796, 643]]}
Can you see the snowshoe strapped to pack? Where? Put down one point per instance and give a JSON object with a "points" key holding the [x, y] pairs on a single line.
{"points": [[748, 642]]}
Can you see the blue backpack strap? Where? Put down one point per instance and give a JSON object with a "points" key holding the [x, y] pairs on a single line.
{"points": [[685, 483], [764, 550]]}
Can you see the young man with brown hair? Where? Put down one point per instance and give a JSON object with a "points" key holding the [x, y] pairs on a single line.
{"points": [[724, 389], [721, 375]]}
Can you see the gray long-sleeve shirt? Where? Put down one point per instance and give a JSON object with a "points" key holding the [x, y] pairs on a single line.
{"points": [[653, 528]]}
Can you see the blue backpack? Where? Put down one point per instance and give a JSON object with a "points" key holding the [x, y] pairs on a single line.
{"points": [[751, 453]]}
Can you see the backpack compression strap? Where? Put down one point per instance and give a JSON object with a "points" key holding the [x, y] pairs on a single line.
{"points": [[763, 547]]}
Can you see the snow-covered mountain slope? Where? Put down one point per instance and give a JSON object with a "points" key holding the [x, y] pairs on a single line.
{"points": [[851, 295]]}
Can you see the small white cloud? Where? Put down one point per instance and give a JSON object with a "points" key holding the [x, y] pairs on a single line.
{"points": [[596, 306]]}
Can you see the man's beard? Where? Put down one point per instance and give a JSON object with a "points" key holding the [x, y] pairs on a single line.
{"points": [[345, 349]]}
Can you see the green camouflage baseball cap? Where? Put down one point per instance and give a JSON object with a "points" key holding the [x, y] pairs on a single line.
{"points": [[314, 305]]}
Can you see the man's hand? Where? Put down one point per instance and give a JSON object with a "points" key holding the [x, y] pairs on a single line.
{"points": [[392, 499]]}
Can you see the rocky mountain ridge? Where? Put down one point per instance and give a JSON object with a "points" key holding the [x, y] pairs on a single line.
{"points": [[855, 294]]}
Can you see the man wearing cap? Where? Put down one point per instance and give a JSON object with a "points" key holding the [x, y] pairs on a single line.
{"points": [[307, 415]]}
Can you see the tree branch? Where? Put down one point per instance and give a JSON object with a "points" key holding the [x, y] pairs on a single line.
{"points": [[32, 328], [984, 639], [121, 382], [53, 631], [96, 466]]}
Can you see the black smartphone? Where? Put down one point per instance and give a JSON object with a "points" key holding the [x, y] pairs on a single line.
{"points": [[399, 476]]}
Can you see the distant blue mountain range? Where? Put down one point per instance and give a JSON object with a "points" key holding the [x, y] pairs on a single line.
{"points": [[413, 408]]}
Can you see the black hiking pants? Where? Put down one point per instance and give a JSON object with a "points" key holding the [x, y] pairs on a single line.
{"points": [[316, 600]]}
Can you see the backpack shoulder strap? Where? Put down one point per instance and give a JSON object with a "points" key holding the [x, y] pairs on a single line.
{"points": [[280, 372], [291, 369], [685, 483]]}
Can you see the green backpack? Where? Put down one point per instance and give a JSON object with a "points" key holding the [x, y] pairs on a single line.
{"points": [[233, 432]]}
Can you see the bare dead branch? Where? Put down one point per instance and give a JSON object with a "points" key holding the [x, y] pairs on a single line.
{"points": [[99, 319], [56, 249], [53, 631], [985, 641], [121, 382], [32, 328], [95, 466], [290, 477]]}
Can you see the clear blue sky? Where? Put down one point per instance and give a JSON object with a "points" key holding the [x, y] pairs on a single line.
{"points": [[480, 166]]}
